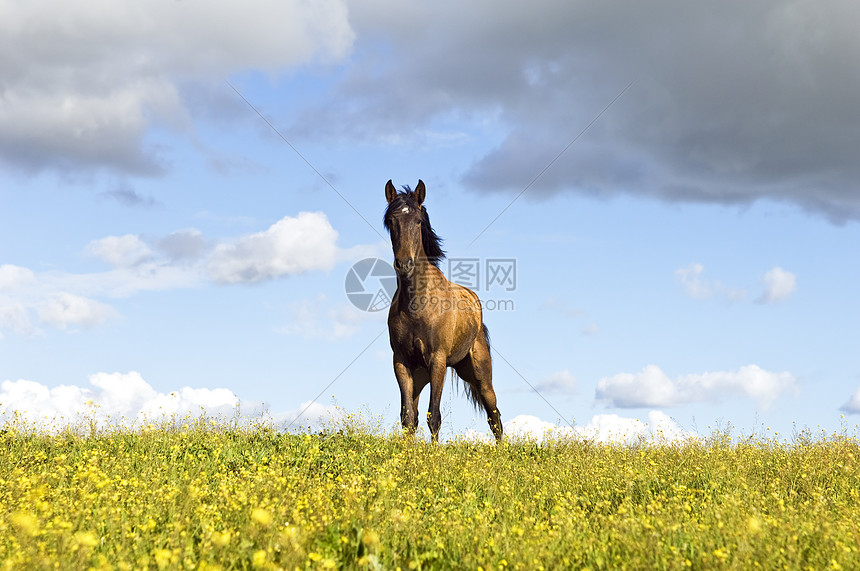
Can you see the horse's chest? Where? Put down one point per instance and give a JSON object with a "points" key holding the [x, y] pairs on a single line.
{"points": [[419, 345], [411, 342]]}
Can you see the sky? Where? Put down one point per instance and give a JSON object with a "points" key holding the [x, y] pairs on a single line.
{"points": [[657, 203]]}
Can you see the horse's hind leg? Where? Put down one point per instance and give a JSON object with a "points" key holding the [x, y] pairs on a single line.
{"points": [[477, 370], [421, 377]]}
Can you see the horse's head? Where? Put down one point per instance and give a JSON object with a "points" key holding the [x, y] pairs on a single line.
{"points": [[403, 220]]}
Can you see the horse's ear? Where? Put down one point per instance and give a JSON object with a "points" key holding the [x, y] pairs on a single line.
{"points": [[390, 192], [420, 192]]}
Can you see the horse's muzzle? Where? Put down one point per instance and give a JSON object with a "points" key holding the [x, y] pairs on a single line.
{"points": [[404, 267]]}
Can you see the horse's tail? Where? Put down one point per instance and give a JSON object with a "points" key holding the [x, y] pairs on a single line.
{"points": [[471, 391], [487, 339]]}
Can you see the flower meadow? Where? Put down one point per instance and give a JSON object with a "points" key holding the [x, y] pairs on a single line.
{"points": [[208, 495]]}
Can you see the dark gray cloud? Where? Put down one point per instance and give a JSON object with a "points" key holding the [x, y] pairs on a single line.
{"points": [[733, 102], [82, 85]]}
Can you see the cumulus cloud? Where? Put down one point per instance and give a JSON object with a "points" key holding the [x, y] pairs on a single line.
{"points": [[67, 309], [183, 245], [120, 251], [308, 414], [14, 317], [290, 246], [693, 286], [182, 259], [608, 428], [13, 276], [732, 102], [698, 288], [651, 387], [120, 399], [83, 84], [778, 285], [559, 383], [112, 397]]}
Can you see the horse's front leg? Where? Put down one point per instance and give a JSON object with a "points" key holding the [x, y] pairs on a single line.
{"points": [[438, 368], [408, 411]]}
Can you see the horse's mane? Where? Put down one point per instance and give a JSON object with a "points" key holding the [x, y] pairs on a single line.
{"points": [[432, 243]]}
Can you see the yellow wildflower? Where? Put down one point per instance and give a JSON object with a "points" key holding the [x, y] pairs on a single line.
{"points": [[754, 525], [25, 522], [259, 559], [262, 517], [85, 539], [370, 539], [162, 558], [220, 538]]}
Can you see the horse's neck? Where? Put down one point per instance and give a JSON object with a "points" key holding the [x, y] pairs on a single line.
{"points": [[426, 279]]}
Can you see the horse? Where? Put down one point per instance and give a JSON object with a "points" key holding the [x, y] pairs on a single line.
{"points": [[433, 323]]}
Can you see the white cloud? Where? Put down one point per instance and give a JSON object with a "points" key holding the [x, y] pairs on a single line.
{"points": [[183, 259], [123, 394], [290, 246], [613, 428], [14, 276], [608, 428], [560, 382], [651, 387], [126, 399], [693, 287], [528, 426], [120, 251], [83, 83], [697, 288], [853, 404], [185, 245], [111, 398], [309, 413], [66, 309], [778, 285], [36, 401], [188, 401], [13, 317]]}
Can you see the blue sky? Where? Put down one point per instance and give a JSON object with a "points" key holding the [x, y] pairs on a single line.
{"points": [[688, 263]]}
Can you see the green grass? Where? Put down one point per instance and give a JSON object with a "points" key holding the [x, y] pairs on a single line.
{"points": [[210, 496]]}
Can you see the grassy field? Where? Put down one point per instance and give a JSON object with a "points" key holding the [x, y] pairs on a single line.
{"points": [[204, 496]]}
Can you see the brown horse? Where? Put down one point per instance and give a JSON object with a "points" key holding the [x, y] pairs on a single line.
{"points": [[433, 323]]}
